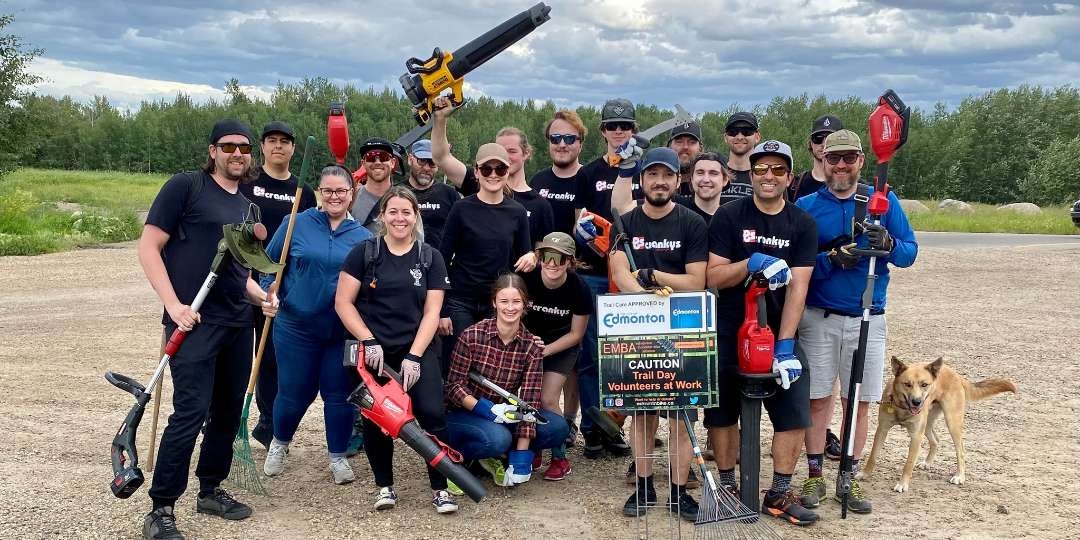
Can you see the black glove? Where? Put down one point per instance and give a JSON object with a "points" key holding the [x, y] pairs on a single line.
{"points": [[842, 258], [645, 278], [878, 236]]}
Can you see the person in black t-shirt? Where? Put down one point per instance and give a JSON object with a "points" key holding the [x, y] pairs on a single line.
{"points": [[669, 246], [560, 184], [709, 176], [764, 236], [210, 371], [810, 181], [435, 198], [741, 134], [685, 140]]}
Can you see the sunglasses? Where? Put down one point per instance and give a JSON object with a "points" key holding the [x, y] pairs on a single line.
{"points": [[553, 257], [818, 138], [744, 131], [378, 156], [834, 159], [554, 138], [777, 170], [619, 126], [499, 170], [328, 192], [429, 163], [229, 147]]}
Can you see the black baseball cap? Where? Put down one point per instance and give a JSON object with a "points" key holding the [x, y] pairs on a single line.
{"points": [[617, 110], [378, 143], [691, 128], [826, 124], [742, 118], [229, 126], [277, 126]]}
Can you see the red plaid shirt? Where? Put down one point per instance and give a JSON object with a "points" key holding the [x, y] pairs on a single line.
{"points": [[517, 367]]}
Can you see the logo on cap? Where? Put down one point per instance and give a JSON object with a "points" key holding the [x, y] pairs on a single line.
{"points": [[826, 123], [686, 125], [771, 146], [618, 109]]}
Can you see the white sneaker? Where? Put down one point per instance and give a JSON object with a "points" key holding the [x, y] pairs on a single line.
{"points": [[387, 499], [275, 458], [444, 503], [342, 471]]}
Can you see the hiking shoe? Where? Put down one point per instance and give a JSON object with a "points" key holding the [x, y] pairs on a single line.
{"points": [[616, 445], [341, 471], [558, 469], [221, 504], [688, 507], [571, 436], [813, 490], [453, 488], [495, 468], [387, 499], [631, 473], [832, 445], [263, 433], [443, 502], [161, 525], [276, 454], [786, 506], [594, 444], [692, 481], [856, 502], [633, 509]]}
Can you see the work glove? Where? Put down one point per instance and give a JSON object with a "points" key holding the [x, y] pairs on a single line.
{"points": [[646, 277], [373, 355], [878, 236], [503, 413], [630, 155], [520, 469], [586, 232], [771, 268], [840, 257], [410, 371], [786, 365]]}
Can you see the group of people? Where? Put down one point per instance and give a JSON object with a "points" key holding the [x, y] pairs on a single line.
{"points": [[497, 274]]}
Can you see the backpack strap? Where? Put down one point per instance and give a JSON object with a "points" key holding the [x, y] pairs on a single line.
{"points": [[371, 254], [862, 197]]}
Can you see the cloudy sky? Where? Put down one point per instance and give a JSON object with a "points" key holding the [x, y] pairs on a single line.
{"points": [[703, 54]]}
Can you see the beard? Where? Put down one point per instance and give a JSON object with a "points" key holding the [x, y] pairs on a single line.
{"points": [[658, 198], [841, 184], [422, 180], [223, 170], [564, 162]]}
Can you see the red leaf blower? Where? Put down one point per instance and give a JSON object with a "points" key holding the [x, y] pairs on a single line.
{"points": [[756, 342]]}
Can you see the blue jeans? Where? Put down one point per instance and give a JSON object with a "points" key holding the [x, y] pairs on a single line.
{"points": [[588, 361], [478, 438]]}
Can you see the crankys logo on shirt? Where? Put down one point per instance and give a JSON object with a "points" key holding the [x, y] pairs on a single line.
{"points": [[260, 191], [750, 236], [547, 194], [429, 206], [602, 185], [639, 243], [550, 310]]}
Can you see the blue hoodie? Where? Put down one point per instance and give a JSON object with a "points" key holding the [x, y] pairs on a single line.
{"points": [[311, 272], [841, 290]]}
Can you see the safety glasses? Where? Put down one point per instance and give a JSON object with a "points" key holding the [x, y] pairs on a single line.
{"points": [[499, 170], [229, 147], [619, 126], [818, 138], [380, 156], [549, 256], [429, 163], [777, 170], [834, 159], [744, 131], [567, 139]]}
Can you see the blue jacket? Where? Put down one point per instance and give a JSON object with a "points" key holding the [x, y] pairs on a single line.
{"points": [[841, 290], [311, 271]]}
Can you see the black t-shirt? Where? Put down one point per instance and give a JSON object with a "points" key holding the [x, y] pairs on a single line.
{"points": [[802, 185], [469, 185], [275, 198], [435, 203], [738, 188], [597, 181], [667, 244], [193, 240], [686, 189], [689, 202], [393, 308], [740, 229], [551, 310], [482, 241], [562, 194], [538, 209]]}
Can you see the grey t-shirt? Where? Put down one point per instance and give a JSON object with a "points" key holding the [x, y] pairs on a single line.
{"points": [[363, 207]]}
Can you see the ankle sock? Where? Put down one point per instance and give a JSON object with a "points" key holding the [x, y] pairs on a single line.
{"points": [[813, 462], [645, 484], [676, 491], [161, 503], [780, 483], [334, 456], [727, 477]]}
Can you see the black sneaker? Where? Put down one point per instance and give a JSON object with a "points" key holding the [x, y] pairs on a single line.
{"points": [[832, 445], [594, 443], [263, 433], [221, 504], [688, 507], [786, 506], [631, 474], [161, 525], [616, 445], [633, 509]]}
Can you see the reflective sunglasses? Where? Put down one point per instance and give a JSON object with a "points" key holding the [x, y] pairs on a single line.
{"points": [[229, 147], [429, 163], [380, 156], [818, 138], [328, 192], [499, 170], [744, 131], [777, 170], [554, 138], [834, 159], [615, 126], [552, 256]]}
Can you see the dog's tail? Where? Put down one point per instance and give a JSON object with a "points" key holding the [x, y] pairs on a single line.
{"points": [[987, 387]]}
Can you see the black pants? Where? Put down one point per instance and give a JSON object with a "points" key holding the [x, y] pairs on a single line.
{"points": [[428, 407], [267, 386], [210, 374], [463, 313]]}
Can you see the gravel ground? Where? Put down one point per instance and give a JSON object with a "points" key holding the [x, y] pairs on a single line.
{"points": [[67, 318]]}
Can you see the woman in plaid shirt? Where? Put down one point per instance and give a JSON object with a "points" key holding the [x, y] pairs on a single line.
{"points": [[478, 423]]}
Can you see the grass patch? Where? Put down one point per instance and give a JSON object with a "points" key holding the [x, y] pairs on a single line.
{"points": [[987, 218]]}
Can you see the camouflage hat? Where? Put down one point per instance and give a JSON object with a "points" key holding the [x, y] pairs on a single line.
{"points": [[617, 110]]}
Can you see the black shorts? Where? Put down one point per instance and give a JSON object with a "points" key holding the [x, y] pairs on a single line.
{"points": [[562, 362], [788, 409]]}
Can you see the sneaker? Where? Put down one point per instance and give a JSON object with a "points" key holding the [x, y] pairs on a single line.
{"points": [[633, 509], [692, 481], [786, 506], [631, 473], [594, 444], [387, 499], [443, 502], [161, 525], [495, 468], [856, 501], [453, 488], [832, 445], [813, 490], [263, 433], [341, 471], [276, 455], [688, 507], [732, 489], [616, 445], [221, 504], [571, 437], [558, 469]]}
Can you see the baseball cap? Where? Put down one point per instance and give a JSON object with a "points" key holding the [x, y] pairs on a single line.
{"points": [[617, 110], [278, 127], [378, 143], [772, 148], [842, 140], [743, 118], [229, 126], [826, 124], [490, 151], [559, 241], [691, 128], [421, 149], [661, 156]]}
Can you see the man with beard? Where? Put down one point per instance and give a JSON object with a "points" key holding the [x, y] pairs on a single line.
{"points": [[812, 180], [273, 192], [379, 159], [685, 140], [829, 330], [708, 177], [434, 198], [669, 247], [763, 236], [210, 372], [741, 135], [560, 185]]}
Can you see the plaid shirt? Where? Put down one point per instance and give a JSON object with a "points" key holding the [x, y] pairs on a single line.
{"points": [[516, 367]]}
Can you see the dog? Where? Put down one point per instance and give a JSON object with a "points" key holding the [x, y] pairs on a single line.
{"points": [[918, 395]]}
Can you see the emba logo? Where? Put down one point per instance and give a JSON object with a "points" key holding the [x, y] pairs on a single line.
{"points": [[686, 312]]}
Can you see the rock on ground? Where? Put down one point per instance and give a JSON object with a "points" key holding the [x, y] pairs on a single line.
{"points": [[913, 206], [1025, 208], [953, 205]]}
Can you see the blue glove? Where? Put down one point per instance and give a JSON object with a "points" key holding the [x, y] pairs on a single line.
{"points": [[502, 413], [520, 469], [773, 269], [585, 230], [786, 365], [630, 155]]}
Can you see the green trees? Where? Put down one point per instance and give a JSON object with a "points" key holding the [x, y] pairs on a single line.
{"points": [[14, 78]]}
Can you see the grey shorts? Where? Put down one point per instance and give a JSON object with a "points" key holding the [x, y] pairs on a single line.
{"points": [[827, 345]]}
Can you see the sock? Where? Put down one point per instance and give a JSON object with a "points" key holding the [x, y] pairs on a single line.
{"points": [[334, 456], [161, 503], [813, 461], [677, 491], [645, 485], [854, 466], [727, 477], [780, 483], [279, 442], [559, 452]]}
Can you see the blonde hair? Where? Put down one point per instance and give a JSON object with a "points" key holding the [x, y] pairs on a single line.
{"points": [[510, 130], [570, 117]]}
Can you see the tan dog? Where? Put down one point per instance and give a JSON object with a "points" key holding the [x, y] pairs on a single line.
{"points": [[918, 395]]}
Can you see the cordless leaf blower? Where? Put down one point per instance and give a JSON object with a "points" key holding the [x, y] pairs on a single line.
{"points": [[755, 342], [337, 132], [389, 407]]}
